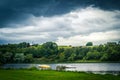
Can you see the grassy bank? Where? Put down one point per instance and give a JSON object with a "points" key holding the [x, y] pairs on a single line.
{"points": [[51, 75]]}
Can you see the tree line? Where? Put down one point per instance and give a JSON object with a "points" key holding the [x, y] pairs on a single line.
{"points": [[51, 52]]}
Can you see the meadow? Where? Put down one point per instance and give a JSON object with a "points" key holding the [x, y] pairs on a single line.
{"points": [[24, 74]]}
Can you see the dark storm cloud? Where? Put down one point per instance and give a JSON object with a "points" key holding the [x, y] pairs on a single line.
{"points": [[84, 24], [16, 11], [62, 21]]}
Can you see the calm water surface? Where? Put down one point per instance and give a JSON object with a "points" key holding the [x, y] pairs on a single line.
{"points": [[98, 68]]}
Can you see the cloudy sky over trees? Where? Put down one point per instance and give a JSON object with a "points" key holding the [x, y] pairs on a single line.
{"points": [[66, 22]]}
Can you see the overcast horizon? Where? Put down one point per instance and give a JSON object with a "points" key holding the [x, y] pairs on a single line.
{"points": [[66, 22]]}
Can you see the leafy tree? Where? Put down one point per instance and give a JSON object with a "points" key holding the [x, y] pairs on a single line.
{"points": [[49, 48], [100, 48], [82, 52], [68, 52], [32, 50], [1, 58], [72, 57], [104, 57], [19, 57], [62, 56], [23, 45], [93, 55], [61, 50], [7, 57], [114, 56], [49, 51], [28, 58], [89, 44]]}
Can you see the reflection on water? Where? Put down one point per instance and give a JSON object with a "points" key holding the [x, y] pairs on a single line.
{"points": [[93, 67], [97, 68]]}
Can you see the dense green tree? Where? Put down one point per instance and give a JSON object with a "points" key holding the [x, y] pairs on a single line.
{"points": [[28, 58], [8, 57], [100, 48], [82, 52], [89, 44], [114, 56], [49, 52], [68, 52], [23, 45], [62, 56], [93, 55], [49, 48], [72, 57], [104, 57], [19, 58], [1, 58]]}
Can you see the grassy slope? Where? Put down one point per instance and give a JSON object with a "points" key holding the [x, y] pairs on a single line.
{"points": [[65, 47], [51, 75]]}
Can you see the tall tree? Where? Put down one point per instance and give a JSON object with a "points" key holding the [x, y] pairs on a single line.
{"points": [[49, 48]]}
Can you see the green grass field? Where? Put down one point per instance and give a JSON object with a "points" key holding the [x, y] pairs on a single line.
{"points": [[52, 75], [65, 47]]}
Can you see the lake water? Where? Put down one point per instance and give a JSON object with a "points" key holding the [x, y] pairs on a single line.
{"points": [[97, 68]]}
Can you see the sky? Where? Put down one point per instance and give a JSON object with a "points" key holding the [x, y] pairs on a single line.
{"points": [[66, 22]]}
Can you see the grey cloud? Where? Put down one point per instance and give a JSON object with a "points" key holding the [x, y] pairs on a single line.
{"points": [[17, 11], [88, 22]]}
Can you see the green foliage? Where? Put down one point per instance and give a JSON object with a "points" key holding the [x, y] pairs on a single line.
{"points": [[62, 56], [93, 55], [7, 57], [104, 57], [28, 58], [51, 52], [49, 48], [19, 57], [23, 45], [72, 57], [89, 44]]}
